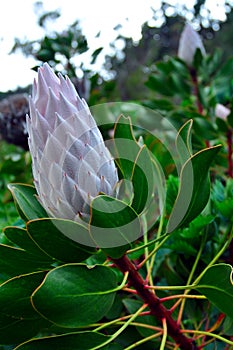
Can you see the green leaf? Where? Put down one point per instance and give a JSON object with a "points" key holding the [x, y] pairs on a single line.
{"points": [[18, 320], [17, 331], [95, 54], [15, 261], [184, 142], [79, 340], [15, 295], [114, 225], [123, 129], [182, 247], [28, 206], [124, 139], [74, 295], [142, 179], [194, 188], [20, 237], [216, 284], [60, 239]]}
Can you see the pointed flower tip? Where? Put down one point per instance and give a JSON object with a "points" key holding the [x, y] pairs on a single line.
{"points": [[189, 42]]}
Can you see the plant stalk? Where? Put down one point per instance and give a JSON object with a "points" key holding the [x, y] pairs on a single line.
{"points": [[156, 307]]}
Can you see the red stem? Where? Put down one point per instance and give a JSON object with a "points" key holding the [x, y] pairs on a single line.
{"points": [[196, 90], [154, 303]]}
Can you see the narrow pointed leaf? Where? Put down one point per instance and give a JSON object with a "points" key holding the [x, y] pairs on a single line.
{"points": [[124, 140], [184, 142], [143, 179], [194, 188], [28, 206]]}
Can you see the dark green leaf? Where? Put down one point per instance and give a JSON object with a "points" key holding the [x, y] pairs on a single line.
{"points": [[15, 296], [114, 224], [16, 331], [79, 340], [194, 188], [96, 54], [142, 179], [60, 239], [216, 284], [18, 320], [124, 140], [74, 295], [14, 261], [25, 197], [20, 237]]}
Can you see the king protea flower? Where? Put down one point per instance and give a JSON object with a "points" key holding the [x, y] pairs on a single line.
{"points": [[190, 41], [70, 162]]}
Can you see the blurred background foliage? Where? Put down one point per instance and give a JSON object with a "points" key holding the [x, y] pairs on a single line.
{"points": [[123, 73]]}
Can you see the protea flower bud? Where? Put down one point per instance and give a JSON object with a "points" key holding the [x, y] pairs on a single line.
{"points": [[190, 41], [71, 164]]}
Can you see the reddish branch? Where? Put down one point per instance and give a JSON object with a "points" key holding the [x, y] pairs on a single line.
{"points": [[196, 90], [154, 303]]}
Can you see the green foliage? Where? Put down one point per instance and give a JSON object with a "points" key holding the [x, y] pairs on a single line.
{"points": [[83, 340], [80, 290], [168, 226], [218, 290]]}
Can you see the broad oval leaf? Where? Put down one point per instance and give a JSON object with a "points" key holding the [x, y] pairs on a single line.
{"points": [[79, 340], [74, 295], [18, 320], [217, 285]]}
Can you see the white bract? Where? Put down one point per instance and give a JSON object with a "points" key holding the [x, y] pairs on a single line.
{"points": [[190, 41], [70, 162]]}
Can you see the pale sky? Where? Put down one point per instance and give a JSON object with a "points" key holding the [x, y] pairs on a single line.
{"points": [[18, 19]]}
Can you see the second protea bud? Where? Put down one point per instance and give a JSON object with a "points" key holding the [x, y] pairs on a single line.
{"points": [[190, 41], [71, 164]]}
